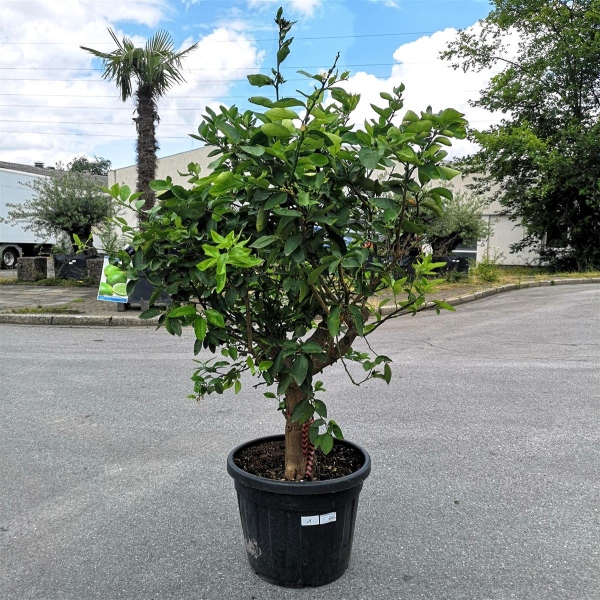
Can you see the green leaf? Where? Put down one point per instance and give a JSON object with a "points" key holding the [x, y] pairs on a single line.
{"points": [[124, 193], [326, 444], [314, 274], [433, 206], [265, 364], [370, 157], [238, 386], [287, 212], [292, 243], [387, 373], [259, 80], [443, 305], [333, 321], [159, 185], [287, 102], [301, 410], [412, 227], [278, 114], [200, 328], [318, 160], [222, 183], [215, 317], [261, 101], [358, 318], [284, 384], [275, 130], [150, 313], [335, 428], [182, 311], [312, 348], [300, 369], [410, 116], [253, 150], [441, 191], [447, 172], [275, 200], [230, 131], [282, 53], [320, 408], [263, 242]]}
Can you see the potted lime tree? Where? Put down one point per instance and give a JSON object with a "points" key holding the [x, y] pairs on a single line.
{"points": [[272, 257]]}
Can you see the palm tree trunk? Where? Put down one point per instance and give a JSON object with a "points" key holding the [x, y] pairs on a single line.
{"points": [[147, 145]]}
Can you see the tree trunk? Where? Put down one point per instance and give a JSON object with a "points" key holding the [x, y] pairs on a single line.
{"points": [[295, 461], [147, 146]]}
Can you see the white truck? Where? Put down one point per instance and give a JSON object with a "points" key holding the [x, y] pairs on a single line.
{"points": [[15, 241]]}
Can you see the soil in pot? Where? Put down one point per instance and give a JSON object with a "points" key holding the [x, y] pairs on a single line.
{"points": [[267, 460]]}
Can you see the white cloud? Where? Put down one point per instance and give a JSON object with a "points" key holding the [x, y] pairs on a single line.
{"points": [[429, 81], [306, 7], [55, 94], [388, 3]]}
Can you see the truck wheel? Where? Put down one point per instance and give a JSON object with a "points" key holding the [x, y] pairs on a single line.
{"points": [[9, 258]]}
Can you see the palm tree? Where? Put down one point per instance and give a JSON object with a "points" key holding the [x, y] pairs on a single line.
{"points": [[156, 68]]}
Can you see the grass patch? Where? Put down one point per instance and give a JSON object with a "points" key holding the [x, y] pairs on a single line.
{"points": [[42, 310], [458, 286], [53, 282]]}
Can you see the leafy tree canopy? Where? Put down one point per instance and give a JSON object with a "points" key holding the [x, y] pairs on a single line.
{"points": [[66, 202], [95, 166], [274, 253], [543, 161]]}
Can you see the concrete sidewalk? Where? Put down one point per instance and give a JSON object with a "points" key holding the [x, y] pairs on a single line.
{"points": [[64, 305]]}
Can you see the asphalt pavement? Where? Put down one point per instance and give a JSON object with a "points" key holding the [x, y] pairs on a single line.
{"points": [[485, 450]]}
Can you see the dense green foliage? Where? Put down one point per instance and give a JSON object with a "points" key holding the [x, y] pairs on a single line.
{"points": [[461, 222], [272, 255], [155, 69], [96, 166], [543, 161], [65, 202]]}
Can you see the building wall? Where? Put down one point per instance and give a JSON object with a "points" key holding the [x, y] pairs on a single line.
{"points": [[169, 165], [504, 232]]}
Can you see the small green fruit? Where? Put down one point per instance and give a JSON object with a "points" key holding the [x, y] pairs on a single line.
{"points": [[108, 269], [116, 277], [105, 289], [120, 289]]}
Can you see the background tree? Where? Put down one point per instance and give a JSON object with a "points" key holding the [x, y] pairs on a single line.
{"points": [[97, 166], [155, 68], [460, 222], [67, 202], [543, 161]]}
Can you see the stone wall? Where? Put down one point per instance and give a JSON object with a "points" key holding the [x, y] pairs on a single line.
{"points": [[94, 267], [32, 268]]}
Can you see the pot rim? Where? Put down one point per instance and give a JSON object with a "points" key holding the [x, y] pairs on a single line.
{"points": [[297, 487]]}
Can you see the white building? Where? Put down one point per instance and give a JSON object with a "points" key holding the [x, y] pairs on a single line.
{"points": [[504, 231]]}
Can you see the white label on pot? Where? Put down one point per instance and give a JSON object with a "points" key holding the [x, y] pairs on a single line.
{"points": [[310, 520], [328, 518]]}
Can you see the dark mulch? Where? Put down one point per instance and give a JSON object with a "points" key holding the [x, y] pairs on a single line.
{"points": [[268, 460]]}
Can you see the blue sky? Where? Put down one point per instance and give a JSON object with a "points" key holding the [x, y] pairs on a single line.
{"points": [[55, 106]]}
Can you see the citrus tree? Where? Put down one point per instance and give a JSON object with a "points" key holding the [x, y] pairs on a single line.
{"points": [[272, 256]]}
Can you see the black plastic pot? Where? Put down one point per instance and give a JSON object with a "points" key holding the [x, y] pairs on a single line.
{"points": [[298, 534]]}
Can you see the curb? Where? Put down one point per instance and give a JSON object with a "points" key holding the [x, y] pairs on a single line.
{"points": [[386, 310], [123, 321], [77, 320]]}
